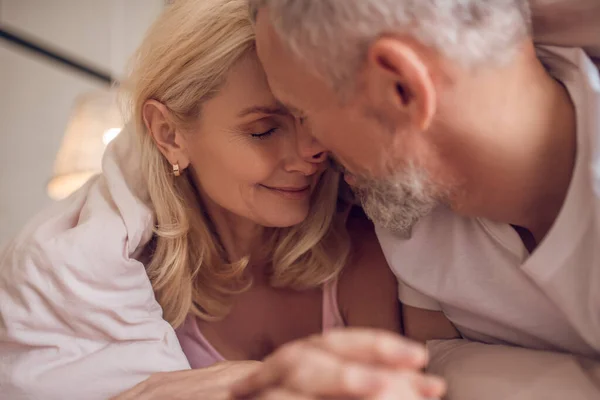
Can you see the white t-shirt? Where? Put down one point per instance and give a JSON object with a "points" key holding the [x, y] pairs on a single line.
{"points": [[481, 276]]}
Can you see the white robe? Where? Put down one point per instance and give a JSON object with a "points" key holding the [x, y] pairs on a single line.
{"points": [[78, 317]]}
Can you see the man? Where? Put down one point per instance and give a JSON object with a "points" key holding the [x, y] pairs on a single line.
{"points": [[476, 156]]}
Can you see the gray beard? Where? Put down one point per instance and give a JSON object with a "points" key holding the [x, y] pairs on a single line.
{"points": [[399, 202]]}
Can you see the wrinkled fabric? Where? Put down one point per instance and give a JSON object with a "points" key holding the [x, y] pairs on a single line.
{"points": [[476, 371], [78, 317]]}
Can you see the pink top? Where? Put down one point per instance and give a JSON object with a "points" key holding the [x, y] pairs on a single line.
{"points": [[201, 353]]}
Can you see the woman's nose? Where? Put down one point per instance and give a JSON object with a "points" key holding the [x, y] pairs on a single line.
{"points": [[308, 156], [309, 148]]}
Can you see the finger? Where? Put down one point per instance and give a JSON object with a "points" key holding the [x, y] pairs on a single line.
{"points": [[373, 346], [328, 367], [304, 368], [410, 385], [431, 386], [281, 394], [400, 389], [324, 375]]}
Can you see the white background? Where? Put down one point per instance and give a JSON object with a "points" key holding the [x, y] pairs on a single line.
{"points": [[36, 95]]}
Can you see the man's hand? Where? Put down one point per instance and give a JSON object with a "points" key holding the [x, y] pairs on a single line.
{"points": [[213, 383], [347, 363]]}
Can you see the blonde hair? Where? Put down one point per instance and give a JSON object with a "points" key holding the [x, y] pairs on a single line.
{"points": [[182, 62]]}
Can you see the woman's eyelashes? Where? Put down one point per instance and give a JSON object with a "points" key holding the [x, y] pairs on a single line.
{"points": [[264, 135]]}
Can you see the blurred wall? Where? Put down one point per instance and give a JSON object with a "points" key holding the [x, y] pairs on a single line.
{"points": [[36, 95]]}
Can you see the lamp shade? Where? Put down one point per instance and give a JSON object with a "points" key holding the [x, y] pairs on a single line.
{"points": [[94, 122]]}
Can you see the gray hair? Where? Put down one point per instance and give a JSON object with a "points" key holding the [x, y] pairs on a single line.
{"points": [[334, 35]]}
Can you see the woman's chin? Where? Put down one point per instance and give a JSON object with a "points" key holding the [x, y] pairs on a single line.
{"points": [[285, 218]]}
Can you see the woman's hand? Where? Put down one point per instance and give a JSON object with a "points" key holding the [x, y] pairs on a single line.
{"points": [[350, 363], [213, 383]]}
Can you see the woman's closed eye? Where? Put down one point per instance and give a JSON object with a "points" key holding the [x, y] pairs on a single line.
{"points": [[264, 135]]}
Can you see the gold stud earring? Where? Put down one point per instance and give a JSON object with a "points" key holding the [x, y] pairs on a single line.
{"points": [[176, 170]]}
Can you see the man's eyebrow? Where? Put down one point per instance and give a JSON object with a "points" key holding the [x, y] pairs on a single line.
{"points": [[275, 110]]}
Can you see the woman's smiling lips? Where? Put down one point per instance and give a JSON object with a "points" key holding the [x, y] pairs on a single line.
{"points": [[290, 192]]}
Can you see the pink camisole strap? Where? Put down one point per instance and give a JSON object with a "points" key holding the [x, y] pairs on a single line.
{"points": [[200, 353], [332, 317]]}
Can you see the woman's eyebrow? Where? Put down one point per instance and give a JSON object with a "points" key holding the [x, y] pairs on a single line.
{"points": [[290, 108], [261, 109]]}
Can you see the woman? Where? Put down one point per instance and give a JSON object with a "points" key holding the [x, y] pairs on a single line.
{"points": [[249, 214], [207, 220]]}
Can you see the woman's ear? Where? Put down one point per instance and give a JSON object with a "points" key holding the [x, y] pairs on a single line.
{"points": [[407, 78], [168, 139]]}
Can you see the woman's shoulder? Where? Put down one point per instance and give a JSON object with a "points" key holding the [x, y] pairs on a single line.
{"points": [[365, 244], [367, 286]]}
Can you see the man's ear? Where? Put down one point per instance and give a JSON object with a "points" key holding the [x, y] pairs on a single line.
{"points": [[168, 139], [405, 79]]}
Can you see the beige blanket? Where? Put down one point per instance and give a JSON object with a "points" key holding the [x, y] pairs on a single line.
{"points": [[477, 371]]}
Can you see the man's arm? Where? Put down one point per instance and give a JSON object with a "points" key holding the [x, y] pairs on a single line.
{"points": [[423, 325], [368, 293]]}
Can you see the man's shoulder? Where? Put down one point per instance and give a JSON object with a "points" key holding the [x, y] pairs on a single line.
{"points": [[444, 236], [437, 227]]}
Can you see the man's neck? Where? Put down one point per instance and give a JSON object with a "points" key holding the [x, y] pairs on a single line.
{"points": [[520, 154]]}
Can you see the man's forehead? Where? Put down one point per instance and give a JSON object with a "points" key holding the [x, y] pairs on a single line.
{"points": [[267, 39], [290, 78], [272, 54]]}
